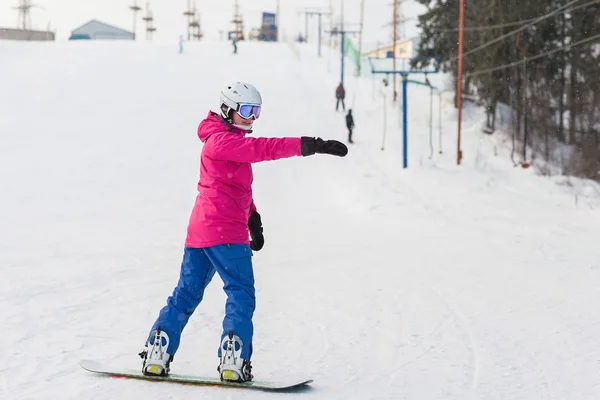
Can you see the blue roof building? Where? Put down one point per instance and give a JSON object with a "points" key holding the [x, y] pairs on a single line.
{"points": [[96, 30]]}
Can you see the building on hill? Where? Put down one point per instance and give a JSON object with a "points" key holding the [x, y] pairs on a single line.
{"points": [[25, 34], [404, 49], [96, 30]]}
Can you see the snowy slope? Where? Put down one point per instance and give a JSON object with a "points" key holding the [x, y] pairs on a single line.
{"points": [[435, 282]]}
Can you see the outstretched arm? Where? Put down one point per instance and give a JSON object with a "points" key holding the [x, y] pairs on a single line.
{"points": [[252, 150]]}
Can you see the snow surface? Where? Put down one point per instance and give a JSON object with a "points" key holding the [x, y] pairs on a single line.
{"points": [[477, 281]]}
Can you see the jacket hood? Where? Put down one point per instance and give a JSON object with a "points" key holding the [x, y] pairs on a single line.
{"points": [[215, 123]]}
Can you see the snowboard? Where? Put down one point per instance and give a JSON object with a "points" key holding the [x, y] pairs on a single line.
{"points": [[103, 369]]}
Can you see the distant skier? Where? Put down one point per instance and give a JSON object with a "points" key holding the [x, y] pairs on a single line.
{"points": [[180, 44], [340, 94], [349, 125], [234, 42], [223, 216]]}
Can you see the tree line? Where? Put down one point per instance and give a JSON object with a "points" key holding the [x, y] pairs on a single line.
{"points": [[541, 58]]}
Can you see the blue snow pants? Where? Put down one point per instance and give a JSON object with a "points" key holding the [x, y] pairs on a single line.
{"points": [[233, 263]]}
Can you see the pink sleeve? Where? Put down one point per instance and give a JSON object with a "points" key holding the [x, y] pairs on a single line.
{"points": [[253, 150], [252, 207]]}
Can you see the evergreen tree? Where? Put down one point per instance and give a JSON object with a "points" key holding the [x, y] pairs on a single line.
{"points": [[555, 98]]}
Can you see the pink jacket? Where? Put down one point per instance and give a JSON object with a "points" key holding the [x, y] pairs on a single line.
{"points": [[224, 201]]}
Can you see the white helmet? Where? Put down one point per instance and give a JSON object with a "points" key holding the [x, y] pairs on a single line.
{"points": [[235, 94]]}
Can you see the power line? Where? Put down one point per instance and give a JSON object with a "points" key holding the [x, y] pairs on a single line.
{"points": [[487, 27], [566, 47], [509, 24], [491, 42]]}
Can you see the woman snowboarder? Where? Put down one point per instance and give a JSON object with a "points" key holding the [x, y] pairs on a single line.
{"points": [[223, 217]]}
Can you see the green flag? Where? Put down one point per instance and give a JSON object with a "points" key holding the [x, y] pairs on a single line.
{"points": [[349, 49]]}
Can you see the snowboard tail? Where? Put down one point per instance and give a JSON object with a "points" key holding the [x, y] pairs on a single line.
{"points": [[100, 368]]}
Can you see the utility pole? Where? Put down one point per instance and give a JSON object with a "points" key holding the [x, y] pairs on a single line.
{"points": [[524, 163], [342, 14], [150, 29], [394, 40], [135, 8], [396, 23], [362, 18], [319, 38], [343, 34], [189, 13], [331, 43], [277, 21], [461, 25]]}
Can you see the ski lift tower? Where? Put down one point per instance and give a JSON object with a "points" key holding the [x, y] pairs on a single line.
{"points": [[238, 23], [189, 13], [135, 8], [194, 24], [430, 65], [150, 29], [24, 18], [196, 29], [309, 12], [342, 32]]}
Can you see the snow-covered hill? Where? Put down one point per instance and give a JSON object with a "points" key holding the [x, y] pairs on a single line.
{"points": [[439, 281]]}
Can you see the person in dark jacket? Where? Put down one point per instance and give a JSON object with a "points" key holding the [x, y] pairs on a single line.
{"points": [[350, 125], [340, 94]]}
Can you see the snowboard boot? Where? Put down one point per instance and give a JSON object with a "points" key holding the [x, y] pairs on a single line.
{"points": [[156, 359], [232, 367]]}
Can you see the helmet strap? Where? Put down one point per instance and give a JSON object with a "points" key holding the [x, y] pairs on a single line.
{"points": [[226, 112]]}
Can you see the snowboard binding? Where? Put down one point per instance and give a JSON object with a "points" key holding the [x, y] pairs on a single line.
{"points": [[232, 367], [157, 361]]}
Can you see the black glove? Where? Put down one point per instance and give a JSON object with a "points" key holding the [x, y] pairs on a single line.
{"points": [[256, 231], [310, 146]]}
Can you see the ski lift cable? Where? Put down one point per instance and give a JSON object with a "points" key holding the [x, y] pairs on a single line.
{"points": [[502, 37], [547, 53]]}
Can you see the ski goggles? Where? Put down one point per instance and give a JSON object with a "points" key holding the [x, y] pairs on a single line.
{"points": [[247, 111]]}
